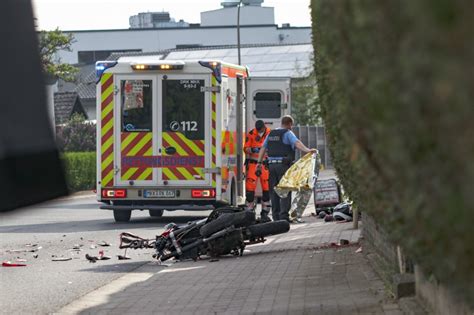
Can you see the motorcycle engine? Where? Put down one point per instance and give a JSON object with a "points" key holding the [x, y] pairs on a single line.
{"points": [[231, 243]]}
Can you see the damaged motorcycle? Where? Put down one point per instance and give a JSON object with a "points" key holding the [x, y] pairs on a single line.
{"points": [[226, 231]]}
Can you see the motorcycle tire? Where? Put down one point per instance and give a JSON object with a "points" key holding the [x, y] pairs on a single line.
{"points": [[237, 219], [269, 228], [220, 211]]}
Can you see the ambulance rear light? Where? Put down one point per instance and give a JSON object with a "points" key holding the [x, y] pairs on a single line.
{"points": [[203, 193], [114, 193], [141, 67]]}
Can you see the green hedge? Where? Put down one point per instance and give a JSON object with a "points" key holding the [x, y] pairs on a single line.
{"points": [[395, 81], [80, 169]]}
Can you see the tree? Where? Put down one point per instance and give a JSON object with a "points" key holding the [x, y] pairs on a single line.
{"points": [[305, 102], [306, 107], [50, 42], [76, 135]]}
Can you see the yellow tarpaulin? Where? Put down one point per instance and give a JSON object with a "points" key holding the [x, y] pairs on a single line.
{"points": [[300, 177]]}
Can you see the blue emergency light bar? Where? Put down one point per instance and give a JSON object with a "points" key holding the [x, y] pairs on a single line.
{"points": [[101, 66]]}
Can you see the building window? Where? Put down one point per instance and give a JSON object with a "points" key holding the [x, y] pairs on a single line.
{"points": [[183, 108], [91, 56], [267, 104], [136, 98]]}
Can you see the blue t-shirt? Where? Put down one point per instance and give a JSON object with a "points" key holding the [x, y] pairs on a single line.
{"points": [[288, 138]]}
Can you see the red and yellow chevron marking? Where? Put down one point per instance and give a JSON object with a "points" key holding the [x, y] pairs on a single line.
{"points": [[228, 148], [107, 129], [136, 144], [184, 147], [213, 128], [228, 144]]}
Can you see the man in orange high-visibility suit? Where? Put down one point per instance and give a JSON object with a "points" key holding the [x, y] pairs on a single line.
{"points": [[253, 143]]}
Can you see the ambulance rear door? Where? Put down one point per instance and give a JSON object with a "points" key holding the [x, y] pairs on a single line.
{"points": [[268, 99], [184, 129]]}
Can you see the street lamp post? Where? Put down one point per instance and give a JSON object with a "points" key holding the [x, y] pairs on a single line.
{"points": [[238, 31]]}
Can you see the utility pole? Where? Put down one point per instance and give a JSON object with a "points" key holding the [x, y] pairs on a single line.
{"points": [[238, 31]]}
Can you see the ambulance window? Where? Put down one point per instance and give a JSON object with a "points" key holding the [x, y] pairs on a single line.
{"points": [[267, 105], [136, 98], [183, 108]]}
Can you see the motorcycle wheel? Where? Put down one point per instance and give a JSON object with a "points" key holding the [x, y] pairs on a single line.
{"points": [[242, 218], [269, 228]]}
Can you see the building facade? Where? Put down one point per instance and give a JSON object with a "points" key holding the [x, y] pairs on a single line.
{"points": [[157, 31]]}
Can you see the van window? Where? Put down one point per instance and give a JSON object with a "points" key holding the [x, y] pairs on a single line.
{"points": [[267, 105], [136, 98], [183, 108]]}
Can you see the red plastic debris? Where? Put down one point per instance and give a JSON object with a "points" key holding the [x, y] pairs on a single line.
{"points": [[10, 264]]}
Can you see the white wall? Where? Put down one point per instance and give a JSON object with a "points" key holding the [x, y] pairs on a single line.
{"points": [[249, 15], [160, 39]]}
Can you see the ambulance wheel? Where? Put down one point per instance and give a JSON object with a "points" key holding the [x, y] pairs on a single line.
{"points": [[156, 213], [122, 215]]}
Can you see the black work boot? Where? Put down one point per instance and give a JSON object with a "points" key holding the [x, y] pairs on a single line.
{"points": [[264, 216]]}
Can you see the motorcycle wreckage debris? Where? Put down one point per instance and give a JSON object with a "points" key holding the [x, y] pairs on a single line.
{"points": [[226, 231]]}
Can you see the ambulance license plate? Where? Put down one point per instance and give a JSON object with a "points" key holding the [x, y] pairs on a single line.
{"points": [[158, 193]]}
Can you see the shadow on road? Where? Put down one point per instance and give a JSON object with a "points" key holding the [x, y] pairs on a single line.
{"points": [[81, 206], [125, 267], [97, 225]]}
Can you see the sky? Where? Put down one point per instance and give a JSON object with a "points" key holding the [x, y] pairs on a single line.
{"points": [[114, 14]]}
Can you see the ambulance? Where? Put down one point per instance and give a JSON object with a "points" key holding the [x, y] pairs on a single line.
{"points": [[170, 133]]}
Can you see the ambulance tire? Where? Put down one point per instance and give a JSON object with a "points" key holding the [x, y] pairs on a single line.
{"points": [[269, 228], [122, 215], [156, 213]]}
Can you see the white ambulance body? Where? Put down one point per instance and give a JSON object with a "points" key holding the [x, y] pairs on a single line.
{"points": [[169, 135], [268, 99]]}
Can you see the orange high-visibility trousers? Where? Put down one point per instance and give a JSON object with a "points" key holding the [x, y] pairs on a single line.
{"points": [[251, 178]]}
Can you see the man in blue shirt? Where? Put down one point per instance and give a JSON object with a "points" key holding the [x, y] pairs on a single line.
{"points": [[280, 145]]}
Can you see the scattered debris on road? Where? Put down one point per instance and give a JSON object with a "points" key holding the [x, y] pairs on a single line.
{"points": [[24, 250], [10, 264], [122, 257], [104, 244], [61, 259], [343, 242], [91, 259], [328, 218], [359, 250], [102, 256]]}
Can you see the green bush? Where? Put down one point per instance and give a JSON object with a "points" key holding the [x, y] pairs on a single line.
{"points": [[80, 169], [76, 135], [395, 84]]}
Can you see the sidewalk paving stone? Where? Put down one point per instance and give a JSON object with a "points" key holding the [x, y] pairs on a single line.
{"points": [[289, 274]]}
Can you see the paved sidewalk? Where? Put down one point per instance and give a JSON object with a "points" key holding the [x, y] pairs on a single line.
{"points": [[289, 274]]}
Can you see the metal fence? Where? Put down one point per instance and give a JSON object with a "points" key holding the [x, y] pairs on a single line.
{"points": [[314, 137]]}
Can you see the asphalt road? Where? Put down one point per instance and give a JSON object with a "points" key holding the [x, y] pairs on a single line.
{"points": [[44, 285]]}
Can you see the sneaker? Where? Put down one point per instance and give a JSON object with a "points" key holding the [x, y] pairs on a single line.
{"points": [[299, 220]]}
